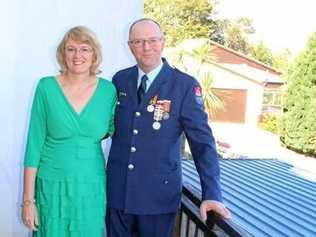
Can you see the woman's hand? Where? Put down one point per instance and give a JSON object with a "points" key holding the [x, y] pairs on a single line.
{"points": [[29, 215], [29, 211]]}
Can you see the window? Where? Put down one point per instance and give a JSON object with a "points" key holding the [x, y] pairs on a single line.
{"points": [[271, 100]]}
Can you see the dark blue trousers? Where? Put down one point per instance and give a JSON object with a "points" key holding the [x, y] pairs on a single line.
{"points": [[121, 224]]}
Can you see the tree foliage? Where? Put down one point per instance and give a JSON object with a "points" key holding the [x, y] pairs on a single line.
{"points": [[270, 122], [281, 61], [212, 102], [181, 19], [237, 34], [299, 120], [202, 54], [192, 19], [262, 53]]}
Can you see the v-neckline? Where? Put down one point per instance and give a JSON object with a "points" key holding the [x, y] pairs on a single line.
{"points": [[70, 106]]}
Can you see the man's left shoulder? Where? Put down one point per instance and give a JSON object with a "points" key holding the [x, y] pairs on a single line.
{"points": [[182, 74], [184, 78]]}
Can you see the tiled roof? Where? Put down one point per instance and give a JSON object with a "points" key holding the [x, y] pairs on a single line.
{"points": [[266, 197]]}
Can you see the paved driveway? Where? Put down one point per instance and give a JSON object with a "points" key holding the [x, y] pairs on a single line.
{"points": [[254, 143]]}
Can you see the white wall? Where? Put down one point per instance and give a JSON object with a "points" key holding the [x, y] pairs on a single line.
{"points": [[30, 32], [225, 79]]}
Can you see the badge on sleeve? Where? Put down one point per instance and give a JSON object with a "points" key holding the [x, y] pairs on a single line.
{"points": [[197, 90]]}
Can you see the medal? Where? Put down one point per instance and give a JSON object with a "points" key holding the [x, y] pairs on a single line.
{"points": [[153, 100], [152, 103], [150, 108], [161, 109], [165, 115], [156, 125], [158, 111], [166, 105]]}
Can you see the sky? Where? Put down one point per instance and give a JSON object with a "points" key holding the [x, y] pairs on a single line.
{"points": [[280, 24]]}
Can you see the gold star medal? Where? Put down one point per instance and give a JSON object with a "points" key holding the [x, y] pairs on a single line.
{"points": [[152, 102]]}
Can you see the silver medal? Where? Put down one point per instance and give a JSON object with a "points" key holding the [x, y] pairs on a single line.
{"points": [[156, 125], [150, 108], [165, 115]]}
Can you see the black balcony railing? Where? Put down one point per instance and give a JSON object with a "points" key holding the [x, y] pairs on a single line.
{"points": [[189, 223]]}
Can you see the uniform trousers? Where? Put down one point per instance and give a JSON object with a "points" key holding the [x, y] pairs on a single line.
{"points": [[121, 224]]}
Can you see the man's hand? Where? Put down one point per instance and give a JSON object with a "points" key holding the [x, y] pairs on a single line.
{"points": [[217, 207]]}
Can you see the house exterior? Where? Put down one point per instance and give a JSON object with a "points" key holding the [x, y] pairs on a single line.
{"points": [[246, 86]]}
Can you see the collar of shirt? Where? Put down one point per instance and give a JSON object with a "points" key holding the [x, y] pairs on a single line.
{"points": [[151, 75]]}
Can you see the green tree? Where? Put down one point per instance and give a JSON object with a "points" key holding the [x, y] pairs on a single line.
{"points": [[181, 19], [212, 102], [262, 53], [237, 34], [281, 61], [299, 120], [202, 55]]}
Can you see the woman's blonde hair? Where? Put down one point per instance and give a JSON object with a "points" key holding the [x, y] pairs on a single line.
{"points": [[81, 34]]}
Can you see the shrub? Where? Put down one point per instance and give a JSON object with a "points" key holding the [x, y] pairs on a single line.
{"points": [[298, 130], [270, 122]]}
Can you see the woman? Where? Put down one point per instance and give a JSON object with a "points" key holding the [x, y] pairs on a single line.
{"points": [[64, 175]]}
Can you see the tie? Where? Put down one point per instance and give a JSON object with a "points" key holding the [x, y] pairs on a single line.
{"points": [[142, 89]]}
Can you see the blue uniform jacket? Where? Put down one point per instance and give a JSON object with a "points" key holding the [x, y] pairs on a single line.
{"points": [[144, 165]]}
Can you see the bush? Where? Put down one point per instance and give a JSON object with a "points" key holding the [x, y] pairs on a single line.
{"points": [[298, 130], [270, 122]]}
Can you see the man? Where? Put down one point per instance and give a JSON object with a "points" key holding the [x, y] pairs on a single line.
{"points": [[156, 103]]}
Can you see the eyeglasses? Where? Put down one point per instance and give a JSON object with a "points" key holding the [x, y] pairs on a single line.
{"points": [[141, 42], [81, 51]]}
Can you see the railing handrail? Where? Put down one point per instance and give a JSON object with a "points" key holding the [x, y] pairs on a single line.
{"points": [[227, 225]]}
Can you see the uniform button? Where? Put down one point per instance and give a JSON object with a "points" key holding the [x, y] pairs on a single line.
{"points": [[130, 166], [137, 114], [133, 149], [166, 182], [118, 103], [135, 131]]}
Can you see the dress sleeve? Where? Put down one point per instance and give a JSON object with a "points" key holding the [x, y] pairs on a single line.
{"points": [[111, 127], [37, 129]]}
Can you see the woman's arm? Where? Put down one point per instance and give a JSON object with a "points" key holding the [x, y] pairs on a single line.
{"points": [[29, 212], [35, 142]]}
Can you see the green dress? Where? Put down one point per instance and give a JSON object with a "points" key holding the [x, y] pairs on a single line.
{"points": [[65, 147]]}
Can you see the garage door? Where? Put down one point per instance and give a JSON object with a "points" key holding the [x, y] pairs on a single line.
{"points": [[234, 105]]}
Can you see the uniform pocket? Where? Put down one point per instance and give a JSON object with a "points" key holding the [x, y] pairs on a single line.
{"points": [[168, 186]]}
